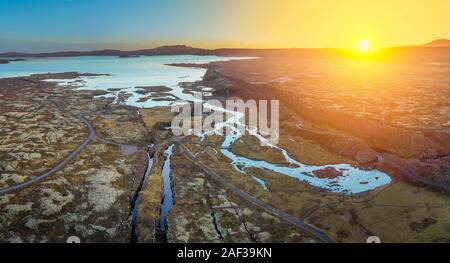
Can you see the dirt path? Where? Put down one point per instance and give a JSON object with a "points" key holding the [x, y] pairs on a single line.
{"points": [[60, 165]]}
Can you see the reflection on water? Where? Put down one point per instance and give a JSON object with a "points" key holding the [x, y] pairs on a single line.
{"points": [[124, 74], [127, 74]]}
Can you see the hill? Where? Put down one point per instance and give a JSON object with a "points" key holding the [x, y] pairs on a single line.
{"points": [[164, 50], [439, 43]]}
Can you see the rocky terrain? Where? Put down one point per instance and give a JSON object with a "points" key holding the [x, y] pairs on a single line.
{"points": [[108, 183], [355, 109], [203, 211], [103, 162], [206, 212], [89, 197], [391, 114]]}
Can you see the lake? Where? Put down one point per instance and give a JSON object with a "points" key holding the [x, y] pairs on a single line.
{"points": [[124, 73], [128, 73]]}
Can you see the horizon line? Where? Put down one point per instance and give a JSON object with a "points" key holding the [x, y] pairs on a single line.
{"points": [[209, 49]]}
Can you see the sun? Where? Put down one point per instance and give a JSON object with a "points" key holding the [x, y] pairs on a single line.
{"points": [[363, 45]]}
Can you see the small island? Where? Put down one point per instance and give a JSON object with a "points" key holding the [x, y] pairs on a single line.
{"points": [[129, 56], [7, 61]]}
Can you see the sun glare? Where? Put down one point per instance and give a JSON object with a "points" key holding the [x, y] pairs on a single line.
{"points": [[363, 45]]}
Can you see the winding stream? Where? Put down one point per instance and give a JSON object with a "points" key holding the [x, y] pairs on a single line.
{"points": [[167, 202], [127, 74], [352, 180], [135, 201]]}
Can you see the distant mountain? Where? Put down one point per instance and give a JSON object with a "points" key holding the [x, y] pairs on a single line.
{"points": [[164, 50], [439, 43], [405, 51], [185, 50]]}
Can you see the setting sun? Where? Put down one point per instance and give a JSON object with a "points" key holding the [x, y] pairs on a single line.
{"points": [[363, 45]]}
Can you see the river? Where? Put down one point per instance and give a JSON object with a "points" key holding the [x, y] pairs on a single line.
{"points": [[128, 73]]}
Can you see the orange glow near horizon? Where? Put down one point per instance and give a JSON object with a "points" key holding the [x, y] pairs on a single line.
{"points": [[334, 24]]}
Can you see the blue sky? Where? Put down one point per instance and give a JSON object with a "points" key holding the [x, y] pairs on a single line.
{"points": [[57, 24], [54, 25]]}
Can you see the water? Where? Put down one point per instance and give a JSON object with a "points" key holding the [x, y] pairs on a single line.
{"points": [[352, 181], [148, 169], [128, 149], [168, 195], [135, 204], [129, 73], [124, 73]]}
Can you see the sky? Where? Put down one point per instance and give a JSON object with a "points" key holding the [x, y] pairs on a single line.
{"points": [[54, 25]]}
